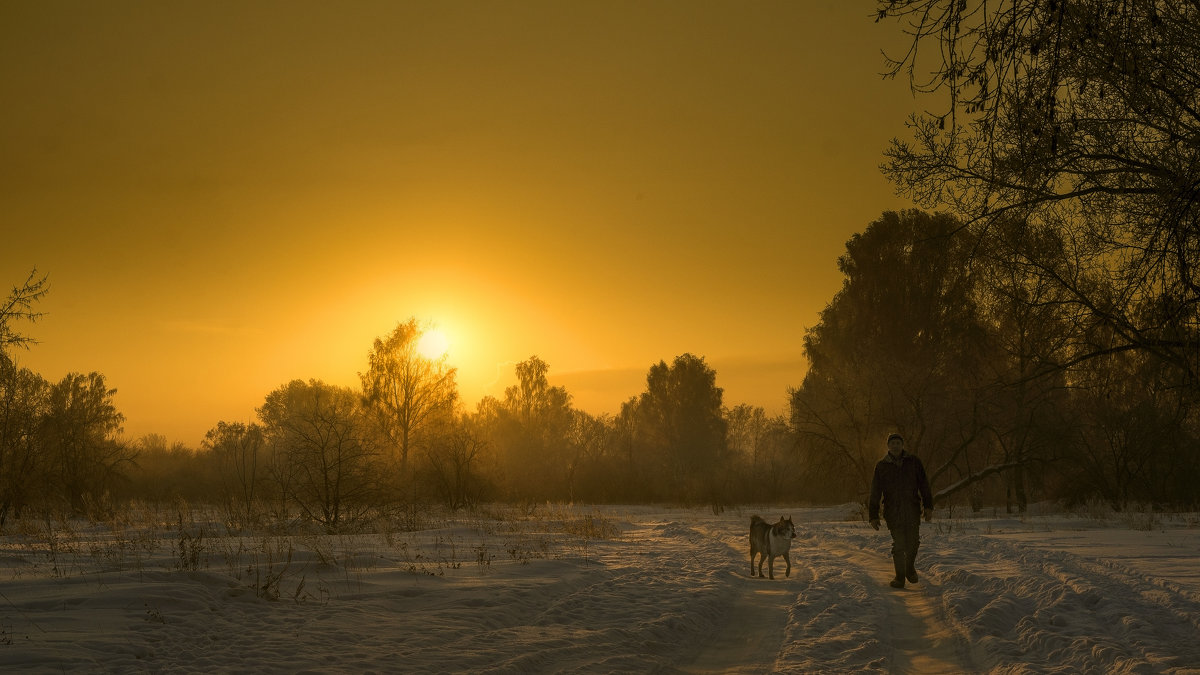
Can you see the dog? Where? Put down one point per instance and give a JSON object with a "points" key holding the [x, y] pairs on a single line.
{"points": [[769, 542]]}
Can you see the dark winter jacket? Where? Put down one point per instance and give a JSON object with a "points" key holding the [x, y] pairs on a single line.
{"points": [[904, 489]]}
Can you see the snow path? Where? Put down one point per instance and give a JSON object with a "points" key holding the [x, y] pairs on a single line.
{"points": [[919, 635], [750, 635]]}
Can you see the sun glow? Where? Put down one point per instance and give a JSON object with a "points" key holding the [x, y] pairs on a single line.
{"points": [[433, 344]]}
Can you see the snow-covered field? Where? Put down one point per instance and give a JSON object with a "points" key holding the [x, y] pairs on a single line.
{"points": [[603, 589]]}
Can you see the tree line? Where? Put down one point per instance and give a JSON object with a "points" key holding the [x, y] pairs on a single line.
{"points": [[339, 456], [933, 334]]}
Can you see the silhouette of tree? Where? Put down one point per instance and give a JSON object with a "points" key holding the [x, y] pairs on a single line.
{"points": [[899, 348], [324, 450], [532, 400], [763, 448], [530, 430], [19, 307], [1076, 119], [453, 458], [589, 440], [238, 450], [24, 402], [635, 471], [1132, 443], [80, 435], [681, 428], [163, 471], [1033, 328], [407, 392]]}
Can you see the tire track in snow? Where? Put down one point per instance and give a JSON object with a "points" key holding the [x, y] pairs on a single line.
{"points": [[1075, 612], [916, 632]]}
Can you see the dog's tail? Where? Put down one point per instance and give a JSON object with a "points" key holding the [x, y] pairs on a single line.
{"points": [[755, 519]]}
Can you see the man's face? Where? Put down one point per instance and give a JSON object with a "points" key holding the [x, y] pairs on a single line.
{"points": [[896, 446]]}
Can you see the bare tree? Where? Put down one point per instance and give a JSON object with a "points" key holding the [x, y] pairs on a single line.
{"points": [[453, 458], [534, 426], [1132, 442], [19, 307], [1075, 118], [238, 450], [532, 401], [588, 441], [24, 401], [1031, 324], [325, 449], [80, 435], [407, 392], [763, 449]]}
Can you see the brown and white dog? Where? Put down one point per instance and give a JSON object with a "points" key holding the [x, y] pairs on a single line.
{"points": [[769, 542]]}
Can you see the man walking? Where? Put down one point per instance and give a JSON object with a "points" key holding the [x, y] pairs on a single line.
{"points": [[901, 483]]}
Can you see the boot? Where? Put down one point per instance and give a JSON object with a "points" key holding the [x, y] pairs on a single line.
{"points": [[910, 569], [899, 564]]}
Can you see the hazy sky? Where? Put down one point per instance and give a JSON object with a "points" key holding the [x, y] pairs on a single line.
{"points": [[228, 195]]}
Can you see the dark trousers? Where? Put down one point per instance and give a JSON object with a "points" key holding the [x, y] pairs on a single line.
{"points": [[906, 537]]}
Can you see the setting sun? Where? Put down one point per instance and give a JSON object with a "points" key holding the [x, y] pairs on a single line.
{"points": [[433, 344]]}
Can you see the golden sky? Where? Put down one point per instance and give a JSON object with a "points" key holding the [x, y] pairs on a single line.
{"points": [[230, 194]]}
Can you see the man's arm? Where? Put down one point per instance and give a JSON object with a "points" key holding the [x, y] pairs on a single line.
{"points": [[923, 488]]}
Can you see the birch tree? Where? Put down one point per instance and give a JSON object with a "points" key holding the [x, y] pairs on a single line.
{"points": [[408, 393]]}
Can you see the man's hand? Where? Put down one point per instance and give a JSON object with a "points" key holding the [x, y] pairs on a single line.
{"points": [[928, 515], [875, 523]]}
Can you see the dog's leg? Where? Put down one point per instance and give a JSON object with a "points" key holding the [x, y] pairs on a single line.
{"points": [[770, 567], [788, 558]]}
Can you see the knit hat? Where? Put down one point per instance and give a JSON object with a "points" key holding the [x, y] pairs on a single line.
{"points": [[891, 436]]}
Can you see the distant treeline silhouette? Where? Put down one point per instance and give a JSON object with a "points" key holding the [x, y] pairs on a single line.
{"points": [[953, 348]]}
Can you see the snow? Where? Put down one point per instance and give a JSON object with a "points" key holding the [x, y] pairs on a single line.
{"points": [[602, 589]]}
